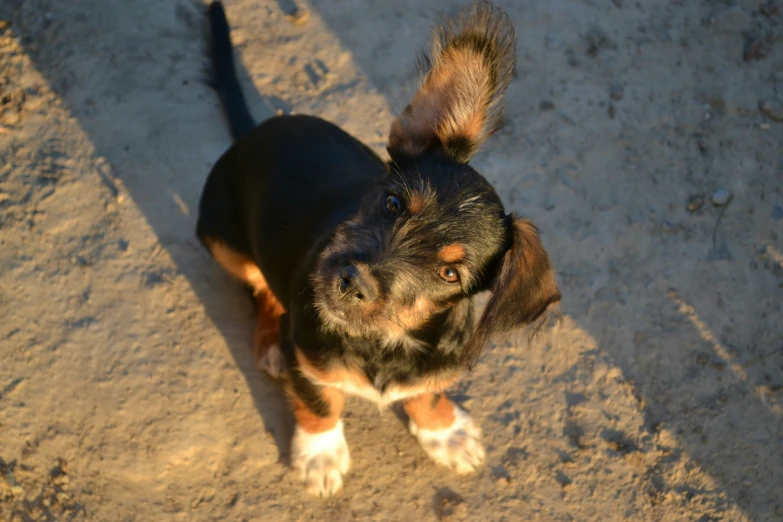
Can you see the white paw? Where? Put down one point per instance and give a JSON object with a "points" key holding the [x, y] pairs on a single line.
{"points": [[321, 458], [272, 361], [457, 447]]}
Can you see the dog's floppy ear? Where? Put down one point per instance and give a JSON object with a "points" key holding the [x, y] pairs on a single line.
{"points": [[464, 78], [522, 291]]}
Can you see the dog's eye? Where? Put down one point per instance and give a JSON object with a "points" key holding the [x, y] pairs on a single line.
{"points": [[448, 274], [393, 204]]}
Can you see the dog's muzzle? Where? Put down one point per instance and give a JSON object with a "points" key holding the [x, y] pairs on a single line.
{"points": [[356, 286]]}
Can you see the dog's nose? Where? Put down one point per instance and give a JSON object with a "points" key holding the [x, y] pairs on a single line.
{"points": [[356, 285]]}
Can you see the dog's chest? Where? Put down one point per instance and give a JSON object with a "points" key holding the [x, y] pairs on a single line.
{"points": [[381, 384], [354, 384], [388, 396], [357, 383]]}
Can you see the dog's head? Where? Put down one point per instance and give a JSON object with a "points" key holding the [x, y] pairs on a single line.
{"points": [[434, 231]]}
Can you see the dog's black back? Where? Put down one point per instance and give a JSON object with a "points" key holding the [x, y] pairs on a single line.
{"points": [[312, 178]]}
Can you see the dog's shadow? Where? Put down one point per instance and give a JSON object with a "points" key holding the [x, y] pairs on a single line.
{"points": [[157, 121], [267, 393]]}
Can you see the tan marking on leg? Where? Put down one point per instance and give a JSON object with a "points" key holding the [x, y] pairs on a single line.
{"points": [[238, 265], [267, 331], [309, 421], [429, 411]]}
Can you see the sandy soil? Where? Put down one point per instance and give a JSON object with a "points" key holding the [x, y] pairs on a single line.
{"points": [[127, 388]]}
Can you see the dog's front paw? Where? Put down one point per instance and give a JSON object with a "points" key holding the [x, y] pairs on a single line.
{"points": [[322, 459], [458, 446]]}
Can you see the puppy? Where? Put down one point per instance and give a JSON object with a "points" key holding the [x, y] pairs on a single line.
{"points": [[364, 270]]}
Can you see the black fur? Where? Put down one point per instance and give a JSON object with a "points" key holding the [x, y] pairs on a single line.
{"points": [[240, 120], [353, 247]]}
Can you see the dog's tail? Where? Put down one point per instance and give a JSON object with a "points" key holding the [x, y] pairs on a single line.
{"points": [[240, 121]]}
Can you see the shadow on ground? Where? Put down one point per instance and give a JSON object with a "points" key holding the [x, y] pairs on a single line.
{"points": [[172, 186]]}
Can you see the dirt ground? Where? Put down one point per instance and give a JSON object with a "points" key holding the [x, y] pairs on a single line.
{"points": [[645, 138]]}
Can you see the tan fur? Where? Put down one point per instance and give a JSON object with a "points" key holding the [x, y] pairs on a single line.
{"points": [[415, 315], [430, 412], [238, 265], [459, 103], [450, 103], [267, 332], [415, 203], [269, 308], [452, 253], [523, 292], [464, 77], [331, 376], [309, 421]]}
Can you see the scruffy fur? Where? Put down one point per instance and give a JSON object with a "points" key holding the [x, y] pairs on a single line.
{"points": [[364, 270], [462, 80]]}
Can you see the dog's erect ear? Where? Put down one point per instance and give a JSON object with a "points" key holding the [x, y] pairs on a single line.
{"points": [[464, 78], [523, 289]]}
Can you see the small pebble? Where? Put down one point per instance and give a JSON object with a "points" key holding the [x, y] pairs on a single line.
{"points": [[777, 212], [721, 197], [772, 109], [546, 105]]}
